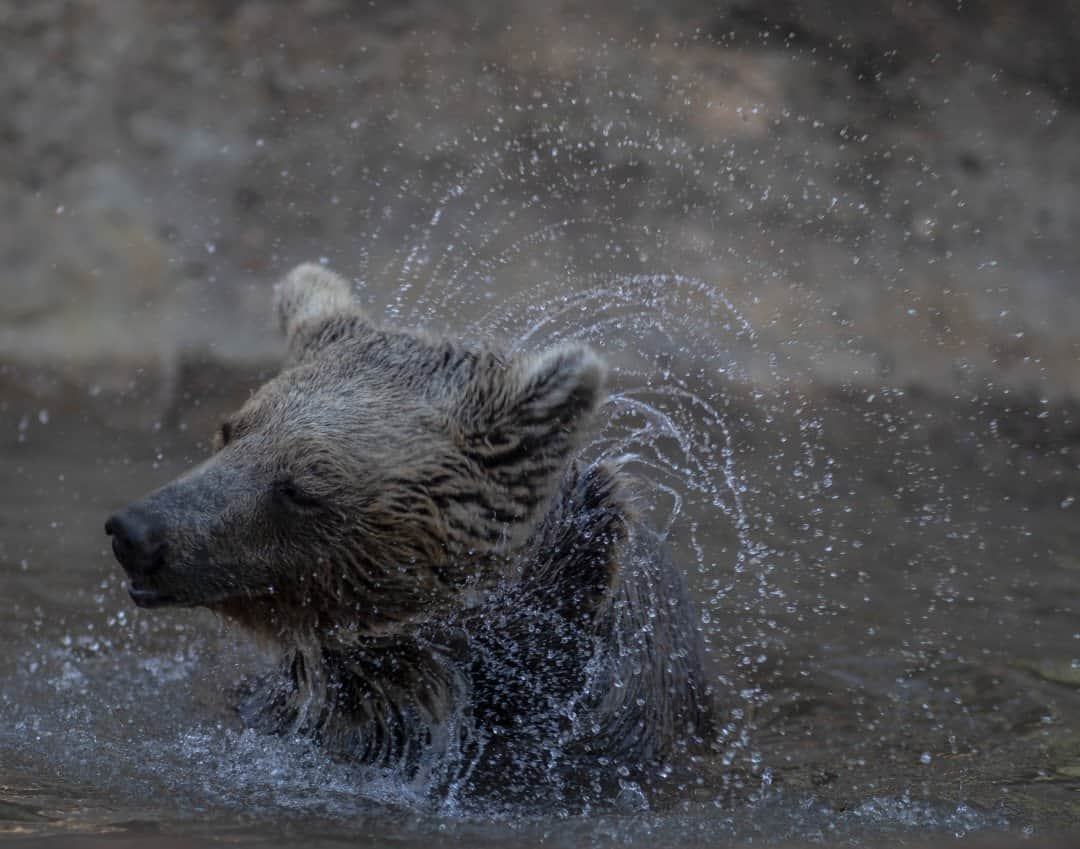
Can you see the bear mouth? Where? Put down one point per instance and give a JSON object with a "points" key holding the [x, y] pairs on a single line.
{"points": [[148, 598]]}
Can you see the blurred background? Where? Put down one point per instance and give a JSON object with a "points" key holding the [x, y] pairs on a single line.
{"points": [[886, 190], [832, 246]]}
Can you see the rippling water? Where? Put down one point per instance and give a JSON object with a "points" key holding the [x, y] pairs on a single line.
{"points": [[886, 582]]}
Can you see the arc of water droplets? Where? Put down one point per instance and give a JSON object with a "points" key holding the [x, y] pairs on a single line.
{"points": [[657, 293], [543, 234], [627, 293], [405, 282], [451, 289], [497, 162], [545, 138], [638, 303], [458, 189]]}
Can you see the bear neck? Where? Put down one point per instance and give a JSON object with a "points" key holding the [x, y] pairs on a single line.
{"points": [[373, 698]]}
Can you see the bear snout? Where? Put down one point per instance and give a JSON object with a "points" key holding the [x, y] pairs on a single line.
{"points": [[138, 541]]}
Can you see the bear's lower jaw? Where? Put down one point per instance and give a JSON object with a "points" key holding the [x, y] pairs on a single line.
{"points": [[149, 598], [149, 593], [152, 597]]}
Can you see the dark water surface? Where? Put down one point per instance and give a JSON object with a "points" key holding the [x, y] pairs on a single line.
{"points": [[891, 614]]}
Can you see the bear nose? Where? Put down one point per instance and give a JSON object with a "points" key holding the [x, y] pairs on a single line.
{"points": [[137, 541]]}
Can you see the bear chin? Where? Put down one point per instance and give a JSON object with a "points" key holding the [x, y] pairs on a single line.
{"points": [[149, 598]]}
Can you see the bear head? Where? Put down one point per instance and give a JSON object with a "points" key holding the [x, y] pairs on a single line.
{"points": [[381, 475]]}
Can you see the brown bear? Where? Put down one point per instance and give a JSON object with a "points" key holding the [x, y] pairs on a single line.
{"points": [[454, 595]]}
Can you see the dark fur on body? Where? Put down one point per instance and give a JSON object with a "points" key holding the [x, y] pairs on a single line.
{"points": [[454, 597]]}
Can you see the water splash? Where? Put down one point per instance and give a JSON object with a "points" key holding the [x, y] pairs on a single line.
{"points": [[500, 259], [513, 251], [553, 235]]}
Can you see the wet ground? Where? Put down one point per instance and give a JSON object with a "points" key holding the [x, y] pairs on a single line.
{"points": [[890, 607]]}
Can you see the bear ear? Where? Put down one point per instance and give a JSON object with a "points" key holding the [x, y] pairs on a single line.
{"points": [[521, 421], [306, 300]]}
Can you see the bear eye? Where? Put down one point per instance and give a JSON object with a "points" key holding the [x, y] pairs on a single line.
{"points": [[288, 491]]}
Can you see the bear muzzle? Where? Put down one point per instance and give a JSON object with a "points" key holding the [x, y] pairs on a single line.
{"points": [[138, 542]]}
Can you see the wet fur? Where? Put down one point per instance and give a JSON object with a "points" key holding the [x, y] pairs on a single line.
{"points": [[527, 690], [453, 596]]}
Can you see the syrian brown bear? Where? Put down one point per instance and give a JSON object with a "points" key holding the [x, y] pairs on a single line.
{"points": [[455, 595]]}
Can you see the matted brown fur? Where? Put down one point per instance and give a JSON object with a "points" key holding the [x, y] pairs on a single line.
{"points": [[453, 596]]}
